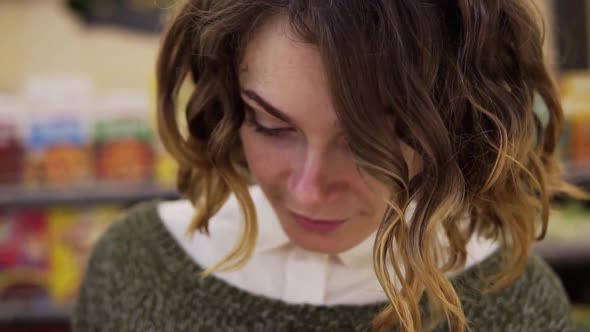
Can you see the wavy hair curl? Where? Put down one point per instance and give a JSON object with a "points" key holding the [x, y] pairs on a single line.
{"points": [[459, 78]]}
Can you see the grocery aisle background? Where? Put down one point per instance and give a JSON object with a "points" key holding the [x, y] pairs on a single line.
{"points": [[77, 143]]}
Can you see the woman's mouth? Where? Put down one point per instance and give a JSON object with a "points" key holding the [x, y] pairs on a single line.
{"points": [[322, 226]]}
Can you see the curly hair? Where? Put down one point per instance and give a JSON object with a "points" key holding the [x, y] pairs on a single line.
{"points": [[459, 78]]}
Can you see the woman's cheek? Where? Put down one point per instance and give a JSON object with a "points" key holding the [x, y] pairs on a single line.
{"points": [[267, 161]]}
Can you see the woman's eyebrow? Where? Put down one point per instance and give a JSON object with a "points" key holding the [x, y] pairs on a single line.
{"points": [[266, 106], [273, 111]]}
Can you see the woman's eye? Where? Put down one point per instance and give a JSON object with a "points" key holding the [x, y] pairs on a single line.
{"points": [[271, 132]]}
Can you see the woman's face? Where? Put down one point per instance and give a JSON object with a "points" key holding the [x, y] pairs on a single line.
{"points": [[295, 148]]}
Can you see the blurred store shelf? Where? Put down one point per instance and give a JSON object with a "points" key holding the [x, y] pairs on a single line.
{"points": [[128, 193], [578, 174], [32, 310], [99, 193], [564, 253], [568, 236]]}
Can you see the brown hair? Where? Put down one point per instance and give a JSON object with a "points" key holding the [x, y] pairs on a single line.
{"points": [[458, 77]]}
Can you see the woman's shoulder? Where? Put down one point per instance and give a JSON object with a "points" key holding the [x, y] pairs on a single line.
{"points": [[535, 301], [134, 259], [537, 280], [136, 236], [132, 227]]}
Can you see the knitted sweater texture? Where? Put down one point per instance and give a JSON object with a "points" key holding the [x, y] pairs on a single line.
{"points": [[140, 279]]}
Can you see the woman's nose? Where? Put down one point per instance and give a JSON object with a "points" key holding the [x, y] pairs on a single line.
{"points": [[313, 183]]}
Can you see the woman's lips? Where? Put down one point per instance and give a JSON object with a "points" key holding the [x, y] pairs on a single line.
{"points": [[318, 225]]}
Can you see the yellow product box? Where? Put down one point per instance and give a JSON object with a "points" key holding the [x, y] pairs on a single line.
{"points": [[73, 233]]}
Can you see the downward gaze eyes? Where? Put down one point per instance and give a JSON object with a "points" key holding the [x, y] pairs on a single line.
{"points": [[285, 133], [269, 132], [275, 132]]}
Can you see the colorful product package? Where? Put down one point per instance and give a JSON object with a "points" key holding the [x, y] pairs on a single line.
{"points": [[23, 251], [73, 233], [11, 141], [58, 139], [123, 139], [580, 138], [575, 95], [166, 167], [58, 153]]}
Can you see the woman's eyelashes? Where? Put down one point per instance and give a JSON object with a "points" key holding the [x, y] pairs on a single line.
{"points": [[266, 131], [273, 132], [284, 132]]}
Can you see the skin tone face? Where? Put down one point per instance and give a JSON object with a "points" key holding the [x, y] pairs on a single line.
{"points": [[295, 147]]}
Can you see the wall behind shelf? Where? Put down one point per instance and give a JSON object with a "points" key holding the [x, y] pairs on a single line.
{"points": [[40, 37], [44, 37]]}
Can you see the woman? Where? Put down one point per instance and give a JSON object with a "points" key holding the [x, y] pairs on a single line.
{"points": [[383, 157]]}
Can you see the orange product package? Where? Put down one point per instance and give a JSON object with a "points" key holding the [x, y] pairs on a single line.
{"points": [[123, 140], [580, 138], [58, 152]]}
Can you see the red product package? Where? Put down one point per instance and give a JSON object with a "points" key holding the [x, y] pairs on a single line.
{"points": [[23, 249]]}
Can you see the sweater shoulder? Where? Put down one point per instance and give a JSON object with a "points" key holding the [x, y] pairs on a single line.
{"points": [[134, 230], [136, 241], [123, 262], [135, 223], [535, 301], [131, 228]]}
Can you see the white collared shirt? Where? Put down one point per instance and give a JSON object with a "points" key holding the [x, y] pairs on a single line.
{"points": [[280, 270]]}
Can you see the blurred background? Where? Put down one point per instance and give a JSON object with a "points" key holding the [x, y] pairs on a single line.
{"points": [[78, 145]]}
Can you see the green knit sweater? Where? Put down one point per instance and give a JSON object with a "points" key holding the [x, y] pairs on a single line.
{"points": [[140, 279]]}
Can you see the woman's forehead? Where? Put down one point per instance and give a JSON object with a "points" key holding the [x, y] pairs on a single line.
{"points": [[287, 72], [275, 52]]}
